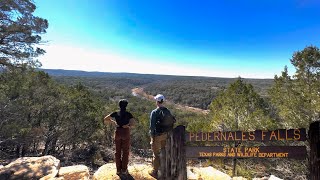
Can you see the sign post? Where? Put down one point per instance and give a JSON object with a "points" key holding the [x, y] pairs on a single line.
{"points": [[173, 158], [237, 152]]}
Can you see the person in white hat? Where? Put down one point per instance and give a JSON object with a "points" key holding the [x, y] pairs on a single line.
{"points": [[158, 131]]}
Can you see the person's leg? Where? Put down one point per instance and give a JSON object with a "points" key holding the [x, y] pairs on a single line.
{"points": [[155, 149], [157, 143], [118, 143], [163, 141], [125, 150]]}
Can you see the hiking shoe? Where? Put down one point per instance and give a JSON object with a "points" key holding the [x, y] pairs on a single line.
{"points": [[125, 172], [153, 173]]}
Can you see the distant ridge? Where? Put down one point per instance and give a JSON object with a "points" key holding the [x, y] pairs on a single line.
{"points": [[79, 73], [62, 72]]}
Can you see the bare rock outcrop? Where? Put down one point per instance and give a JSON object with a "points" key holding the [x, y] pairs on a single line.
{"points": [[140, 171], [137, 171], [78, 172], [206, 173], [45, 167], [48, 168], [272, 177]]}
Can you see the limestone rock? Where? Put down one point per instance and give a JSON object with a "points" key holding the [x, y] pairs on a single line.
{"points": [[136, 171], [239, 178], [141, 171], [272, 177], [107, 171], [58, 178], [78, 172], [209, 173], [45, 167], [191, 175]]}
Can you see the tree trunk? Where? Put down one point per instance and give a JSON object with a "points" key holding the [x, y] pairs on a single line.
{"points": [[234, 161], [46, 147], [314, 139]]}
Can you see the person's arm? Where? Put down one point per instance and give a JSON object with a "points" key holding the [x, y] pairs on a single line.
{"points": [[130, 124], [109, 119], [153, 123]]}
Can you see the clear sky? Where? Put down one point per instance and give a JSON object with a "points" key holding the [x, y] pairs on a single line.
{"points": [[225, 38]]}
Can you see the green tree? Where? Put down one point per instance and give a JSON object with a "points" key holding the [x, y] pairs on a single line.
{"points": [[35, 110], [20, 32], [296, 99], [83, 116], [25, 105], [239, 107]]}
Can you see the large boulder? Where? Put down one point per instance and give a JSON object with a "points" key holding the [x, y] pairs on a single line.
{"points": [[45, 167], [140, 171], [206, 173], [239, 178], [272, 177], [78, 172], [137, 171], [191, 175]]}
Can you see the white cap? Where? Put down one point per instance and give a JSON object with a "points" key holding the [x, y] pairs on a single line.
{"points": [[159, 97]]}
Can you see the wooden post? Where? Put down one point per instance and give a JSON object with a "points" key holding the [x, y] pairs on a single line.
{"points": [[234, 167], [314, 139], [173, 157]]}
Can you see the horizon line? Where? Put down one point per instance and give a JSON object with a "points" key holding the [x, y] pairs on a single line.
{"points": [[137, 73]]}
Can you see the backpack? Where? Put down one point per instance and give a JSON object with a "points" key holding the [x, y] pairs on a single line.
{"points": [[165, 121]]}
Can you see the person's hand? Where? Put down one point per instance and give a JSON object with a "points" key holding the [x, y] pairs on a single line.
{"points": [[126, 126], [132, 122]]}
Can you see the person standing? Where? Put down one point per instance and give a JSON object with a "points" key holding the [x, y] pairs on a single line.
{"points": [[161, 123], [123, 121]]}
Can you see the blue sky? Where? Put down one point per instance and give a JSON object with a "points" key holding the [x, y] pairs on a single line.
{"points": [[226, 38]]}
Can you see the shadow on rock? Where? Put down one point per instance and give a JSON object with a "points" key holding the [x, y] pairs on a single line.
{"points": [[126, 177]]}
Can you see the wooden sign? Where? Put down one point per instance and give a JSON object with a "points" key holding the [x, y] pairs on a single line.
{"points": [[297, 152], [258, 135]]}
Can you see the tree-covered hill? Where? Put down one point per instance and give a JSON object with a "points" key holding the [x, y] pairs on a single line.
{"points": [[61, 113], [192, 91]]}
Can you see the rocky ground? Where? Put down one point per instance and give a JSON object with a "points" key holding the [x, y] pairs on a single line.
{"points": [[140, 172], [49, 168]]}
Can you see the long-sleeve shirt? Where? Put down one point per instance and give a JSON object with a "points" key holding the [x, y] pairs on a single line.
{"points": [[153, 120], [154, 117]]}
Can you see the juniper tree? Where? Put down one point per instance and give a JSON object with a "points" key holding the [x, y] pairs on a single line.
{"points": [[20, 33], [239, 107], [297, 98]]}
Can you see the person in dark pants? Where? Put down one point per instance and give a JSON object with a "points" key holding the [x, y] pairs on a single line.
{"points": [[124, 121]]}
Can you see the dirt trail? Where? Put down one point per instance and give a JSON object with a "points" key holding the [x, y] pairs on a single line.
{"points": [[140, 93]]}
